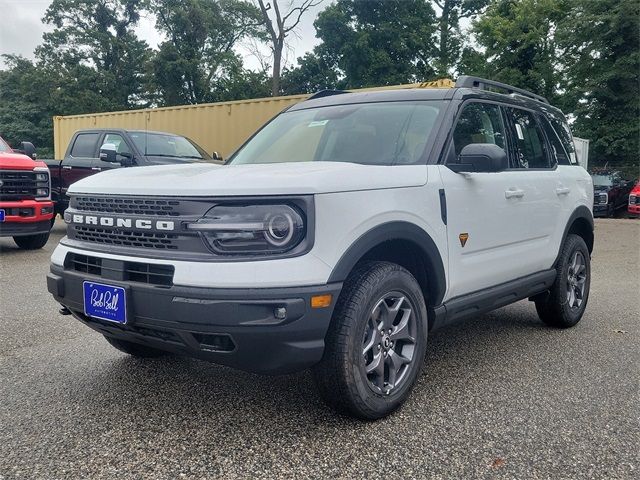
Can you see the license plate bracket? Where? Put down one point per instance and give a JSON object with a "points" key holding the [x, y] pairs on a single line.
{"points": [[105, 302]]}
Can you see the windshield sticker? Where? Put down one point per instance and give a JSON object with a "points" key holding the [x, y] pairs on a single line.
{"points": [[317, 123]]}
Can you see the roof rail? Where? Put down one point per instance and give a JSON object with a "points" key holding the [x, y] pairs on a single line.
{"points": [[326, 93], [465, 81]]}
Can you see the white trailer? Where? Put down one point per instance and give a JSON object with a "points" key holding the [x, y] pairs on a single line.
{"points": [[582, 151]]}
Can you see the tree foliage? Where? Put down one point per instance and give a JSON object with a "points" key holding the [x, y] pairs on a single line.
{"points": [[583, 55], [198, 57]]}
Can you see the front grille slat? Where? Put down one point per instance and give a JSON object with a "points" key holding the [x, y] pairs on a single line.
{"points": [[149, 273], [18, 185], [127, 206], [126, 238]]}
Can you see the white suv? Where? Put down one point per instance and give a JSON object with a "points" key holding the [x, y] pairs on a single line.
{"points": [[337, 237]]}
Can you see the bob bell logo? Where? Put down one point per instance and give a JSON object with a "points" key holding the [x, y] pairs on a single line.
{"points": [[117, 222]]}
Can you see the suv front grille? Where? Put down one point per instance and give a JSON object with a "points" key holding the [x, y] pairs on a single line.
{"points": [[149, 273], [114, 227], [17, 185], [128, 206], [126, 238]]}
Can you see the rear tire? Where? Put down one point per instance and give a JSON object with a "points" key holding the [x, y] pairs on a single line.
{"points": [[376, 342], [565, 304], [32, 242], [134, 349]]}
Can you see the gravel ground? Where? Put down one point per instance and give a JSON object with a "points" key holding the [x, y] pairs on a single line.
{"points": [[501, 396]]}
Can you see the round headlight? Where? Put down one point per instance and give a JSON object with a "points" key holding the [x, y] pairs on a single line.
{"points": [[280, 229]]}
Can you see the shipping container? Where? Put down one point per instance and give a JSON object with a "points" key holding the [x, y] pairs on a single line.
{"points": [[220, 127]]}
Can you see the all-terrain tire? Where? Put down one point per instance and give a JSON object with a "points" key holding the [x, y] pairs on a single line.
{"points": [[558, 308], [341, 376], [32, 242]]}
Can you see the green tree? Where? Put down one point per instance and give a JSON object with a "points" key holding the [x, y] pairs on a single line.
{"points": [[198, 56], [25, 112], [519, 43], [601, 60], [311, 75], [450, 42], [94, 41], [377, 42]]}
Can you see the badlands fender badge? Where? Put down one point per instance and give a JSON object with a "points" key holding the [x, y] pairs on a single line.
{"points": [[463, 239]]}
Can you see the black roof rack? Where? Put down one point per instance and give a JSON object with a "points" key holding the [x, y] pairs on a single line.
{"points": [[326, 93], [465, 81]]}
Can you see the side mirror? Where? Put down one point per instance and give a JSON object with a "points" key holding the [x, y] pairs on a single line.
{"points": [[28, 149], [216, 156], [481, 157], [108, 153]]}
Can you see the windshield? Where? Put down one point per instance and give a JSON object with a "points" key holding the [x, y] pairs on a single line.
{"points": [[390, 133], [602, 180], [3, 146], [165, 145]]}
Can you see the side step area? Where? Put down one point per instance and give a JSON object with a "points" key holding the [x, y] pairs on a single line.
{"points": [[483, 301]]}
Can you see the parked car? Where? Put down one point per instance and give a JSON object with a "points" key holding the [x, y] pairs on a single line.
{"points": [[634, 201], [610, 192], [337, 237], [26, 210], [93, 151]]}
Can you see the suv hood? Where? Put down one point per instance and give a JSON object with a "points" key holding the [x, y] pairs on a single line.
{"points": [[258, 179]]}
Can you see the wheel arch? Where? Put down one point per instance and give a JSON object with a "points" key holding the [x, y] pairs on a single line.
{"points": [[580, 223], [405, 244]]}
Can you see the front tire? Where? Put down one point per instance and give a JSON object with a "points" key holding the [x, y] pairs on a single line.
{"points": [[134, 349], [376, 342], [567, 300], [32, 242]]}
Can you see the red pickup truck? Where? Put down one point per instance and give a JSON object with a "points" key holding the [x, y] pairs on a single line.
{"points": [[26, 209]]}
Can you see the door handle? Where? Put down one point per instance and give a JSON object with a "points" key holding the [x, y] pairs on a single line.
{"points": [[514, 193], [96, 169], [66, 167], [563, 190]]}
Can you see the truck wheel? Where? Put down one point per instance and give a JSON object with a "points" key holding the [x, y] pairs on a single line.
{"points": [[32, 242], [376, 342], [134, 349], [564, 306]]}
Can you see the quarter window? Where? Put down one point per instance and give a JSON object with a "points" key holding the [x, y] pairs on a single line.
{"points": [[529, 148], [85, 145], [478, 123]]}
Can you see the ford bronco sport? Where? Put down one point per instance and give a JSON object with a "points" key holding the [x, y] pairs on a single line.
{"points": [[337, 237]]}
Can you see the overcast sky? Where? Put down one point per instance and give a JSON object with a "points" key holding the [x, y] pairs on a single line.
{"points": [[21, 30]]}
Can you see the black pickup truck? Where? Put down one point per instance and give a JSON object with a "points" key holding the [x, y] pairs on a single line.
{"points": [[610, 192], [93, 151]]}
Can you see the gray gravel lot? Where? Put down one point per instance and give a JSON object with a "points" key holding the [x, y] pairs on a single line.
{"points": [[501, 396]]}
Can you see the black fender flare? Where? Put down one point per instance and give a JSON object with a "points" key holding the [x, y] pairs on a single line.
{"points": [[582, 212], [396, 231]]}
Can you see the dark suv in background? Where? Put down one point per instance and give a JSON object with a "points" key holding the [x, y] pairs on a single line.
{"points": [[610, 192]]}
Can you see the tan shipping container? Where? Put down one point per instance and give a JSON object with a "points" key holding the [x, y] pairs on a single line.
{"points": [[220, 127]]}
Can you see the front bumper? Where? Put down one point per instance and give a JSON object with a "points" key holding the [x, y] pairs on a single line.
{"points": [[634, 209], [26, 217], [234, 327], [601, 210]]}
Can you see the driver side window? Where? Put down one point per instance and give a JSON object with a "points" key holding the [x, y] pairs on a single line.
{"points": [[478, 123]]}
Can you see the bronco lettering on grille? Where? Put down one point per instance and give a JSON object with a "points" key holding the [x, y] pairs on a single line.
{"points": [[141, 224]]}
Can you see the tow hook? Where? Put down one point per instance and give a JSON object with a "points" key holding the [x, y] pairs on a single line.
{"points": [[64, 310]]}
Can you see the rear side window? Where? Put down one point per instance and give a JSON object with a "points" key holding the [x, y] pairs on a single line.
{"points": [[557, 148], [561, 127], [85, 145], [478, 123], [530, 151]]}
